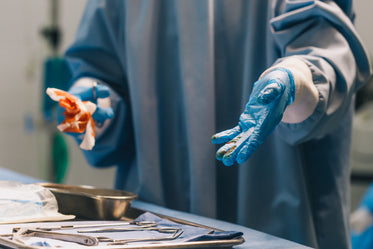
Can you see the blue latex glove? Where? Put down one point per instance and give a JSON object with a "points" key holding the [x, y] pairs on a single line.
{"points": [[270, 96], [87, 94]]}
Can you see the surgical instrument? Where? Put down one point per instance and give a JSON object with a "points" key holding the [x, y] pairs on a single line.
{"points": [[175, 235], [77, 226], [76, 238], [134, 228]]}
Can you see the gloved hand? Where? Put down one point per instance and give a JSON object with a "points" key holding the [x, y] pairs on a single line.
{"points": [[85, 93], [270, 96]]}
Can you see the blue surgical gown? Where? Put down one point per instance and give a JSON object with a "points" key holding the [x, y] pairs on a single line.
{"points": [[183, 70]]}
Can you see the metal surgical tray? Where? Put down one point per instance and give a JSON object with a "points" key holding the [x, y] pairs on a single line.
{"points": [[99, 206], [130, 214]]}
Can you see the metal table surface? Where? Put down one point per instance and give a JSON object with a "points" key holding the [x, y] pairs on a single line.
{"points": [[253, 239]]}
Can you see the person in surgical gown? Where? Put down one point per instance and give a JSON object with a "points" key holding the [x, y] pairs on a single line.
{"points": [[179, 72]]}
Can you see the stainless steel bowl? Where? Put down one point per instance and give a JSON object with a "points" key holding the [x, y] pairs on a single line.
{"points": [[89, 202]]}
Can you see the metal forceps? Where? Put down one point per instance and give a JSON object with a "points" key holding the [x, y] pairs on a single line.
{"points": [[94, 90]]}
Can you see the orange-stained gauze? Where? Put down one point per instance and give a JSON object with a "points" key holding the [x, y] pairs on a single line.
{"points": [[78, 116]]}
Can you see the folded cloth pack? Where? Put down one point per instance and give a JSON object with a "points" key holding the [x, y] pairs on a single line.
{"points": [[78, 116], [20, 203], [190, 233]]}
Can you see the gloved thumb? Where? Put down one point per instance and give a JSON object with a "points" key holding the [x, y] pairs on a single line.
{"points": [[271, 92], [101, 114]]}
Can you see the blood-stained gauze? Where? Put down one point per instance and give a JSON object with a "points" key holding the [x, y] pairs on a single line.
{"points": [[78, 116]]}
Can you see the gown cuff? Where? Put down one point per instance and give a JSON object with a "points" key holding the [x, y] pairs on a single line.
{"points": [[306, 93], [360, 220]]}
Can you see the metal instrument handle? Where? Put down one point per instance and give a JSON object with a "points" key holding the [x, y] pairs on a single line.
{"points": [[175, 235], [164, 229], [76, 238], [65, 227], [130, 229]]}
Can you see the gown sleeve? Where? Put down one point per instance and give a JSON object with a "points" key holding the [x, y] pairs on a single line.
{"points": [[95, 54], [321, 34]]}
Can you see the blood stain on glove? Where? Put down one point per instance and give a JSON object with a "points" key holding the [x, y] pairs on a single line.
{"points": [[78, 116]]}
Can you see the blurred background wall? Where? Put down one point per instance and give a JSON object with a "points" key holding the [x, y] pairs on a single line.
{"points": [[25, 138]]}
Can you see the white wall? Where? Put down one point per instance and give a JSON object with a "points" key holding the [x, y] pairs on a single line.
{"points": [[364, 22], [22, 52]]}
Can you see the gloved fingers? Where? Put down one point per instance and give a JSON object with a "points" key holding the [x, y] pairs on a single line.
{"points": [[102, 91], [221, 152], [247, 150], [243, 154], [271, 92], [225, 136], [250, 146], [90, 93], [237, 143], [101, 114]]}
